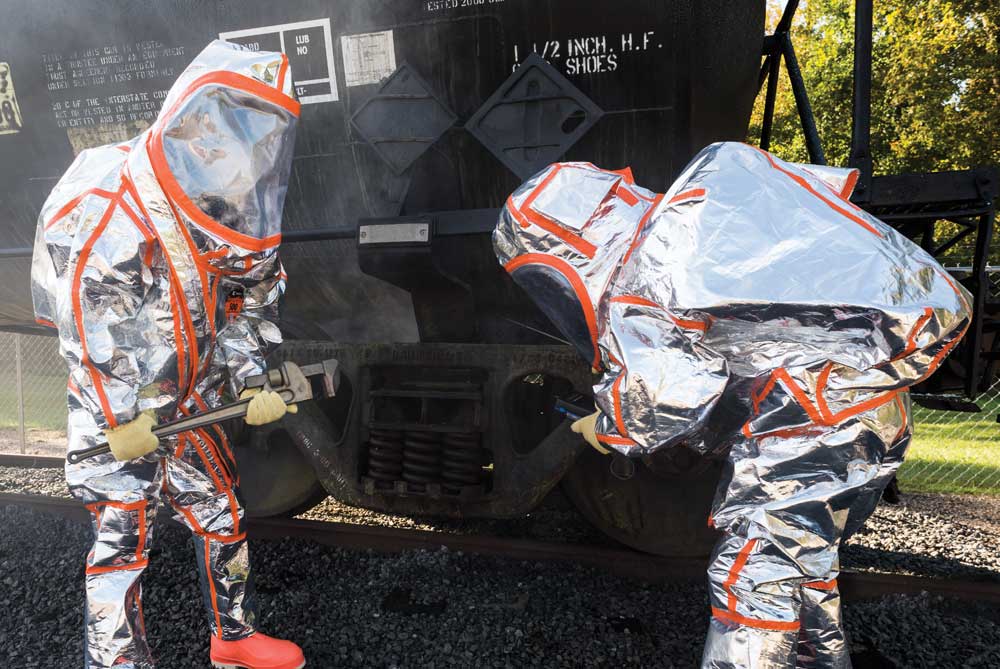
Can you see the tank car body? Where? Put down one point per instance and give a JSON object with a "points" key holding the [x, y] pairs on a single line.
{"points": [[418, 119]]}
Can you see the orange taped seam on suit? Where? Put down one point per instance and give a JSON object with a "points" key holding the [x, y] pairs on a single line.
{"points": [[769, 625], [734, 572], [574, 241], [911, 340], [833, 205], [77, 307], [638, 229], [72, 204], [684, 323], [615, 440], [617, 396], [731, 614], [687, 196], [819, 413], [566, 271], [627, 196]]}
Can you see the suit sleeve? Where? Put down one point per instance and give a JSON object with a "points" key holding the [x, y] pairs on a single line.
{"points": [[106, 333], [662, 382], [935, 331]]}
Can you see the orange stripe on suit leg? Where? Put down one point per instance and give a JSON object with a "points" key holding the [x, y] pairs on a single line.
{"points": [[211, 587], [770, 625], [734, 573], [142, 533], [821, 585], [130, 566]]}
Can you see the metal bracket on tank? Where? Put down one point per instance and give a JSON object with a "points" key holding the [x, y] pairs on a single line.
{"points": [[407, 230]]}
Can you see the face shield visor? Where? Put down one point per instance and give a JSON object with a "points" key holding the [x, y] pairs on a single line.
{"points": [[563, 235], [223, 154], [557, 290]]}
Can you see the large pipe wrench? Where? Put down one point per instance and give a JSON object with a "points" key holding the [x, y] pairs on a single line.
{"points": [[293, 383]]}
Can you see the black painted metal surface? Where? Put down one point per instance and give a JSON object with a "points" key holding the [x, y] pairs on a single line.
{"points": [[342, 438], [669, 78]]}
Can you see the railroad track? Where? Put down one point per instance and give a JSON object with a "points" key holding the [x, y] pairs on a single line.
{"points": [[622, 562], [31, 461]]}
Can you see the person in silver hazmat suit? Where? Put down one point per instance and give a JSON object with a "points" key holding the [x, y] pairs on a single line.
{"points": [[750, 312], [156, 260]]}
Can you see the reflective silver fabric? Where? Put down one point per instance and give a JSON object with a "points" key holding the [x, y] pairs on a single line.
{"points": [[156, 260], [564, 250], [759, 314]]}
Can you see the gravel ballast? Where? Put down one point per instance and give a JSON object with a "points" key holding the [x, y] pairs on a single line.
{"points": [[939, 536], [430, 609], [50, 482]]}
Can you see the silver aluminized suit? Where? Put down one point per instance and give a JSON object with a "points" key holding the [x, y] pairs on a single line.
{"points": [[157, 262], [753, 310]]}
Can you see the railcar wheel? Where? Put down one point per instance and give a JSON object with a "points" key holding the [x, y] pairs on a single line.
{"points": [[275, 478], [663, 512]]}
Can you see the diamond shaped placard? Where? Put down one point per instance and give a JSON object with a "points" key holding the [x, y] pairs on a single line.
{"points": [[533, 118], [403, 119]]}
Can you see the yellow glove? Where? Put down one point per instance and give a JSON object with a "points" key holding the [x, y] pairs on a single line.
{"points": [[133, 439], [265, 407], [587, 427]]}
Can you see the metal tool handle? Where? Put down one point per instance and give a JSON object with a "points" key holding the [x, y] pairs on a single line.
{"points": [[204, 419], [570, 410], [200, 420], [212, 416], [289, 381], [76, 457]]}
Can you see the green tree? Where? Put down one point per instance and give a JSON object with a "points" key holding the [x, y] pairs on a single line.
{"points": [[936, 83]]}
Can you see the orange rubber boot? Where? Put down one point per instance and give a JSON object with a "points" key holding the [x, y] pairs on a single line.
{"points": [[257, 651]]}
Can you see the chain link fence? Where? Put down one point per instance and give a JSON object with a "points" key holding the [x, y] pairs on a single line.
{"points": [[957, 452], [32, 395]]}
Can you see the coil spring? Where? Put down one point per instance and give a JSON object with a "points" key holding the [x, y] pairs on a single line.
{"points": [[462, 460], [385, 455], [422, 457], [452, 459]]}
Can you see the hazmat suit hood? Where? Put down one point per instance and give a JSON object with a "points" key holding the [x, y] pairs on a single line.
{"points": [[746, 265], [563, 250], [221, 152]]}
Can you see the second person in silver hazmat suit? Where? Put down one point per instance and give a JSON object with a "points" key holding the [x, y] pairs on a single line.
{"points": [[156, 260], [751, 311]]}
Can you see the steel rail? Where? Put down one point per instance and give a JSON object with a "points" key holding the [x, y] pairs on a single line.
{"points": [[620, 561], [31, 461]]}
